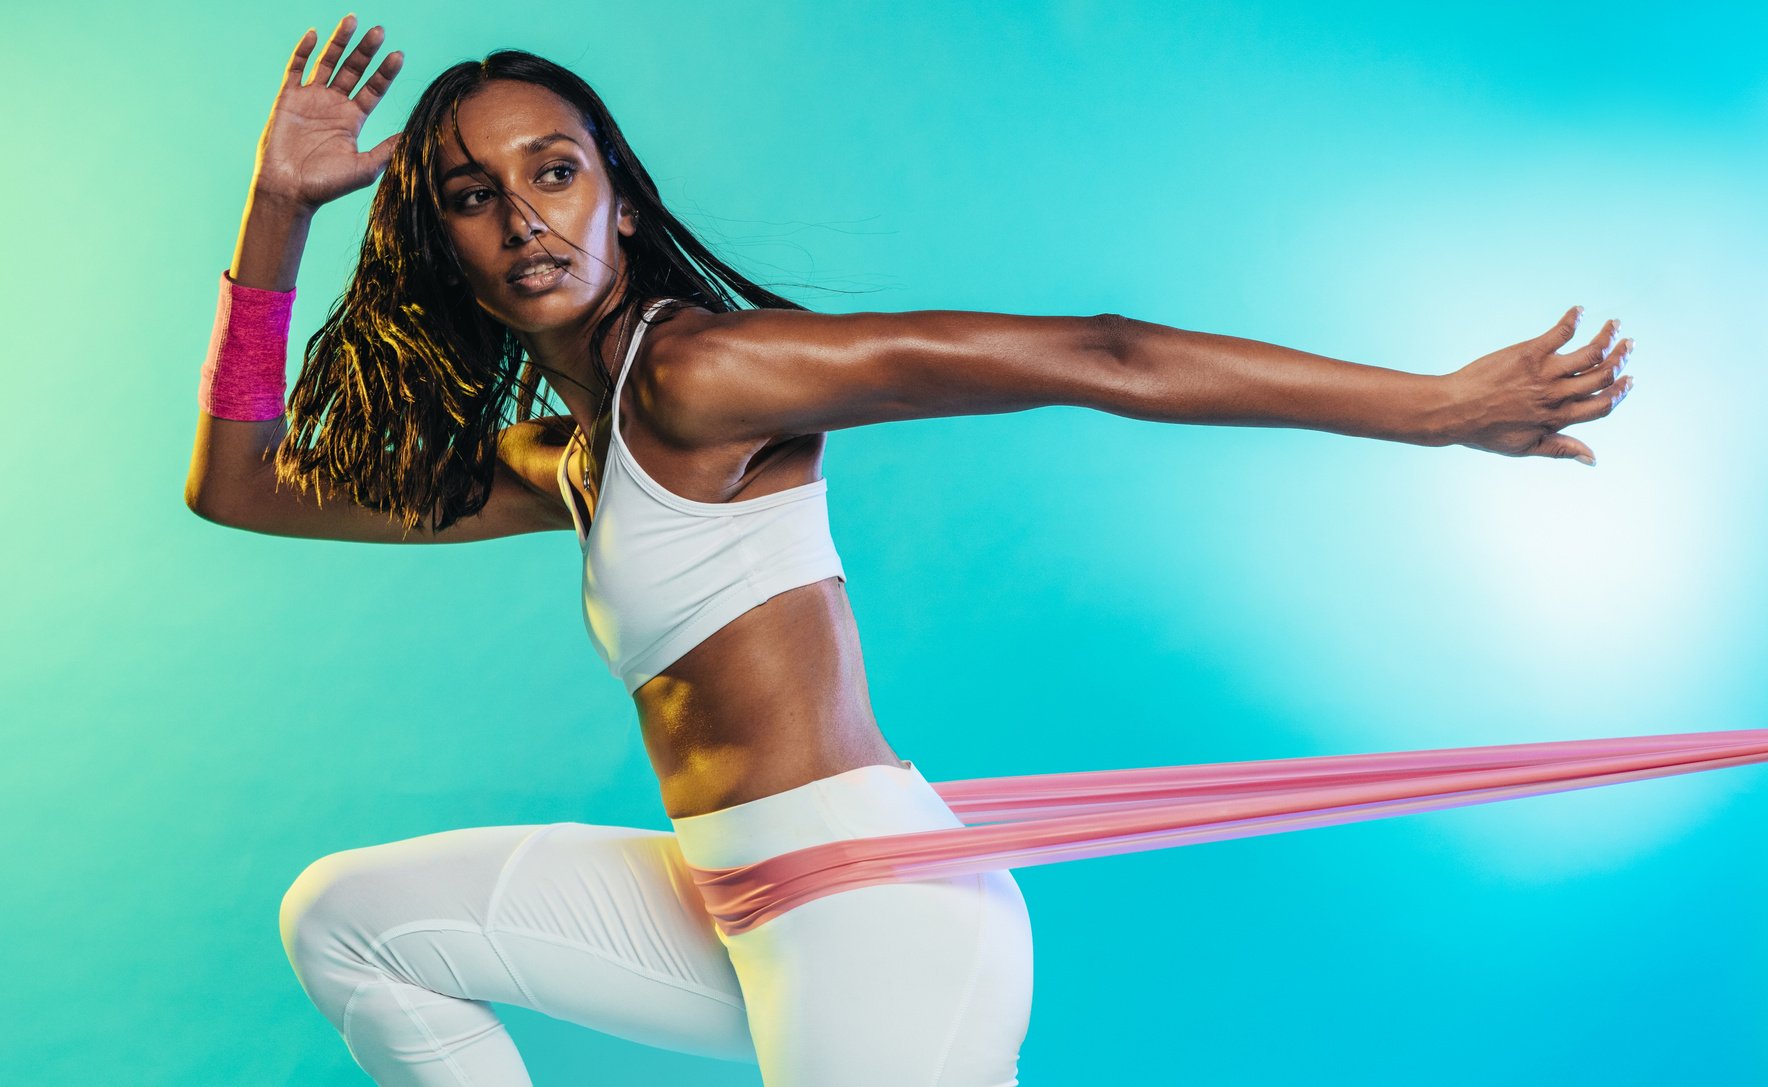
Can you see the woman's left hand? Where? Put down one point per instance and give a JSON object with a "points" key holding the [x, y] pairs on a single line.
{"points": [[1515, 400]]}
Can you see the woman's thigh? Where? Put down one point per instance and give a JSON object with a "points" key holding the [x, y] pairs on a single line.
{"points": [[595, 925], [925, 983], [920, 982]]}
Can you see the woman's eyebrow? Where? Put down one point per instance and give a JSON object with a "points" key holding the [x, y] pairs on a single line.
{"points": [[538, 143]]}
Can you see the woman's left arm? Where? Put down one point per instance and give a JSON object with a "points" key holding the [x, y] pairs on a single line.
{"points": [[1512, 401], [756, 373]]}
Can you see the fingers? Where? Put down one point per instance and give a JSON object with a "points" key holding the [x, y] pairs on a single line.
{"points": [[298, 59], [322, 72], [1557, 336], [354, 64], [1591, 354], [383, 77], [1594, 406], [1561, 445], [1601, 376], [381, 153], [344, 77]]}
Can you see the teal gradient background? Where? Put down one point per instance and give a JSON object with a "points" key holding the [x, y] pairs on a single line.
{"points": [[193, 714]]}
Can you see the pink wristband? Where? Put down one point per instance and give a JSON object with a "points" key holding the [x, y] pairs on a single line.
{"points": [[243, 375]]}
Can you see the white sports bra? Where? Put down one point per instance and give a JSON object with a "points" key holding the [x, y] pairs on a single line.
{"points": [[662, 573]]}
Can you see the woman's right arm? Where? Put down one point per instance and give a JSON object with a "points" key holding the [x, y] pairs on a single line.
{"points": [[306, 157], [232, 480]]}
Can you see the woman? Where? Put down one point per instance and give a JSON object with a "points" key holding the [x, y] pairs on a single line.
{"points": [[516, 237]]}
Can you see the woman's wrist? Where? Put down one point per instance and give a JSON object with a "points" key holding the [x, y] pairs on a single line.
{"points": [[243, 375], [281, 203]]}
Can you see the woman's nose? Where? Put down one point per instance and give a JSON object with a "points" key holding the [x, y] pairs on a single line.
{"points": [[522, 225]]}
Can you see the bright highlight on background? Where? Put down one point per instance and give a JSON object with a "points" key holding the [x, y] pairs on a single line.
{"points": [[193, 714]]}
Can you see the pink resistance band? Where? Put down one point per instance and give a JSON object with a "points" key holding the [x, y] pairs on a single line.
{"points": [[243, 375], [1045, 818]]}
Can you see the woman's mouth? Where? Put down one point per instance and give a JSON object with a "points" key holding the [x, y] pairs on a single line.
{"points": [[539, 279]]}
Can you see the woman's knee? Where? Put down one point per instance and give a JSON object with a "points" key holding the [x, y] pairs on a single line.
{"points": [[313, 920], [316, 909]]}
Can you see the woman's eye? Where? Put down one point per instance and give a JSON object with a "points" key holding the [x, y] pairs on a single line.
{"points": [[461, 201]]}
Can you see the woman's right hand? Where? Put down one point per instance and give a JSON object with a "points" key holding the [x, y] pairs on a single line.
{"points": [[307, 154]]}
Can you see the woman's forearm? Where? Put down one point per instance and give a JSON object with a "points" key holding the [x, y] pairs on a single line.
{"points": [[272, 236], [1179, 376], [230, 462]]}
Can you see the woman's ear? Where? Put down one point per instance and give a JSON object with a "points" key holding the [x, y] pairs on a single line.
{"points": [[627, 221]]}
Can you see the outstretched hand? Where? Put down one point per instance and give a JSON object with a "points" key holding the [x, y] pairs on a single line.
{"points": [[1516, 400], [307, 153]]}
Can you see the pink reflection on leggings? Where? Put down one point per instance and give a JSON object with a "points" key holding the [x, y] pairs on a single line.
{"points": [[1044, 818]]}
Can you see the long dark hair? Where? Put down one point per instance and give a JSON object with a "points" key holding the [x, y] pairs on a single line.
{"points": [[405, 386]]}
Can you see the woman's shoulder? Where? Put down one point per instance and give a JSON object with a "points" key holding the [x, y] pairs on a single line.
{"points": [[681, 360], [678, 343]]}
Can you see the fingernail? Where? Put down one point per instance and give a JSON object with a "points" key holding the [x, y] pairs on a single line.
{"points": [[1582, 459]]}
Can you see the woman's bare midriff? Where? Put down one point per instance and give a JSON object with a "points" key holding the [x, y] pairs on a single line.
{"points": [[774, 699], [778, 696]]}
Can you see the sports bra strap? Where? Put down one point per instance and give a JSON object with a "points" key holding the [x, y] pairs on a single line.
{"points": [[626, 363], [565, 486]]}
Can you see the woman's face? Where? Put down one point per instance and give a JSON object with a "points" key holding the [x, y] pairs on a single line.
{"points": [[561, 206]]}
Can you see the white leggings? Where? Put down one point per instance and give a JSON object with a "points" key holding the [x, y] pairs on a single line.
{"points": [[908, 984]]}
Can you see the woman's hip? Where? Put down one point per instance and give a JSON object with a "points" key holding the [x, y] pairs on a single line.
{"points": [[925, 980]]}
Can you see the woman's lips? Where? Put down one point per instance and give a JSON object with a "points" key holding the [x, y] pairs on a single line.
{"points": [[540, 280]]}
